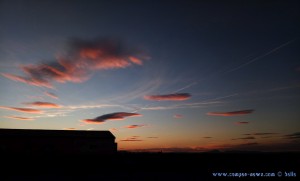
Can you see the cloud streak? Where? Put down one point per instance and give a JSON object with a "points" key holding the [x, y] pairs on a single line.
{"points": [[28, 80], [233, 113], [184, 106], [43, 104], [135, 126], [260, 134], [132, 138], [245, 138], [178, 116], [26, 110], [112, 116], [82, 58], [95, 106], [241, 122], [168, 97], [293, 136], [52, 95], [20, 118]]}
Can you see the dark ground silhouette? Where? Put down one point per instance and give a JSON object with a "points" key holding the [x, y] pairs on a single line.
{"points": [[145, 166], [86, 155]]}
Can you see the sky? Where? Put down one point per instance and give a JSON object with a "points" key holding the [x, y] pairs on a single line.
{"points": [[160, 75]]}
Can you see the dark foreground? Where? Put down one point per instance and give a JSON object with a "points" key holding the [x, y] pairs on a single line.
{"points": [[151, 166]]}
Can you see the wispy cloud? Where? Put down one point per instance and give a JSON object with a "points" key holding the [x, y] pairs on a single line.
{"points": [[35, 97], [81, 59], [241, 122], [138, 90], [152, 137], [20, 118], [168, 97], [91, 106], [135, 126], [248, 144], [184, 106], [260, 134], [112, 116], [178, 116], [185, 87], [50, 94], [292, 136], [207, 137], [245, 138], [50, 113], [132, 138], [43, 104], [26, 110], [28, 80], [233, 113]]}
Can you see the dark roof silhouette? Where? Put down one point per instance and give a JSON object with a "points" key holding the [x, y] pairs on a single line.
{"points": [[55, 133], [38, 141]]}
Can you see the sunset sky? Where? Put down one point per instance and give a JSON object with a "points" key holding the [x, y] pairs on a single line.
{"points": [[160, 75]]}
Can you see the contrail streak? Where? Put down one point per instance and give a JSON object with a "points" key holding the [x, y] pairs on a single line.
{"points": [[223, 97], [188, 86], [261, 56]]}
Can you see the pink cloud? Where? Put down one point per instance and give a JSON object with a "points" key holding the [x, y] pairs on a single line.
{"points": [[234, 113], [43, 104], [20, 118], [168, 97], [112, 116], [26, 110], [135, 60], [178, 116], [92, 121], [77, 64], [29, 81], [135, 126]]}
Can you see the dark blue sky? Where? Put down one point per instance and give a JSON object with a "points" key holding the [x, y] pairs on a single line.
{"points": [[83, 60]]}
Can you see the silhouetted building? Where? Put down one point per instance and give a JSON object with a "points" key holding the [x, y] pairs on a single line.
{"points": [[57, 141]]}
